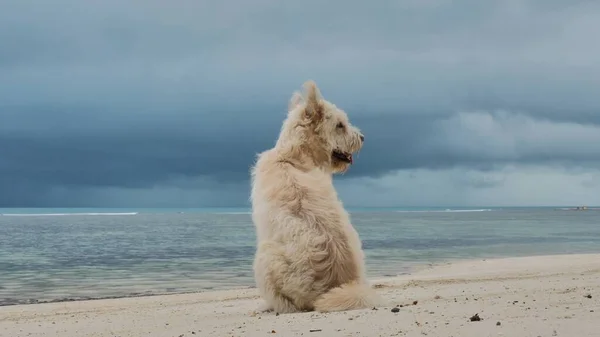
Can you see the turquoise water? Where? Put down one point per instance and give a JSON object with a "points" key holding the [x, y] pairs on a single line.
{"points": [[58, 254]]}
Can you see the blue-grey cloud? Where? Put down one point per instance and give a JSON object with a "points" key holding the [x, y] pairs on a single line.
{"points": [[124, 96]]}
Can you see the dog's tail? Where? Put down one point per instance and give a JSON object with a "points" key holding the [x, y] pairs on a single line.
{"points": [[349, 296]]}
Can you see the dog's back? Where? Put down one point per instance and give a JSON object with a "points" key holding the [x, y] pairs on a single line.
{"points": [[281, 190]]}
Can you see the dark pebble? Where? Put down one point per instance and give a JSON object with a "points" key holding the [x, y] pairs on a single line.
{"points": [[475, 318], [498, 323], [315, 330], [396, 309], [415, 302], [588, 296]]}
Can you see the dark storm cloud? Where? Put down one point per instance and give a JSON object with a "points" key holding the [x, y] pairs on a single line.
{"points": [[136, 94]]}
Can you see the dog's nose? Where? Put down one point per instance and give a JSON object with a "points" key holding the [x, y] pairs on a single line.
{"points": [[362, 138]]}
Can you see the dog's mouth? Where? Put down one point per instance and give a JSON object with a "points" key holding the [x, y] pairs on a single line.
{"points": [[342, 156]]}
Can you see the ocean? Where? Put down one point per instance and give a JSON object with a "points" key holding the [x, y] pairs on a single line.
{"points": [[68, 254]]}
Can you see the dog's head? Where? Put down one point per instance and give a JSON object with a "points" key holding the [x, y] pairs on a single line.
{"points": [[319, 131]]}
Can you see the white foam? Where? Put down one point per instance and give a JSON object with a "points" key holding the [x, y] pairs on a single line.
{"points": [[64, 214], [447, 211]]}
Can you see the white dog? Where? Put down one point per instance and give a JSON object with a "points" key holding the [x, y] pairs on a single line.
{"points": [[308, 256]]}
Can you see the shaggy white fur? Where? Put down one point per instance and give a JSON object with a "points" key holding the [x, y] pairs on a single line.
{"points": [[308, 257]]}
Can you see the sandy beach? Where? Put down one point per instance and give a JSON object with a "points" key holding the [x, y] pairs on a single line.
{"points": [[531, 296]]}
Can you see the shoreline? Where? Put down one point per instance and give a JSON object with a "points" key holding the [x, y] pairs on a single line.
{"points": [[411, 269], [536, 295]]}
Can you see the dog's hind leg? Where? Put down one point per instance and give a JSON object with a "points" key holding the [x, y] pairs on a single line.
{"points": [[270, 269]]}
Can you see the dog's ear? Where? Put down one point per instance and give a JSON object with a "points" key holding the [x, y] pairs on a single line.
{"points": [[314, 107], [295, 101]]}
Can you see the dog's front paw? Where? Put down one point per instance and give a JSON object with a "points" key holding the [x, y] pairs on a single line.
{"points": [[265, 308]]}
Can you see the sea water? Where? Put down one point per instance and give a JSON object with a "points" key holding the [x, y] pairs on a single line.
{"points": [[61, 254]]}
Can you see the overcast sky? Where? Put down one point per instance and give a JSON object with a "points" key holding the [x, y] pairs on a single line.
{"points": [[166, 103]]}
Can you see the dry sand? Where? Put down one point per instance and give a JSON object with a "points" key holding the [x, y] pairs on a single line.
{"points": [[533, 296]]}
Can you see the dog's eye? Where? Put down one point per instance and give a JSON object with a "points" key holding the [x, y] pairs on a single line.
{"points": [[340, 125]]}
